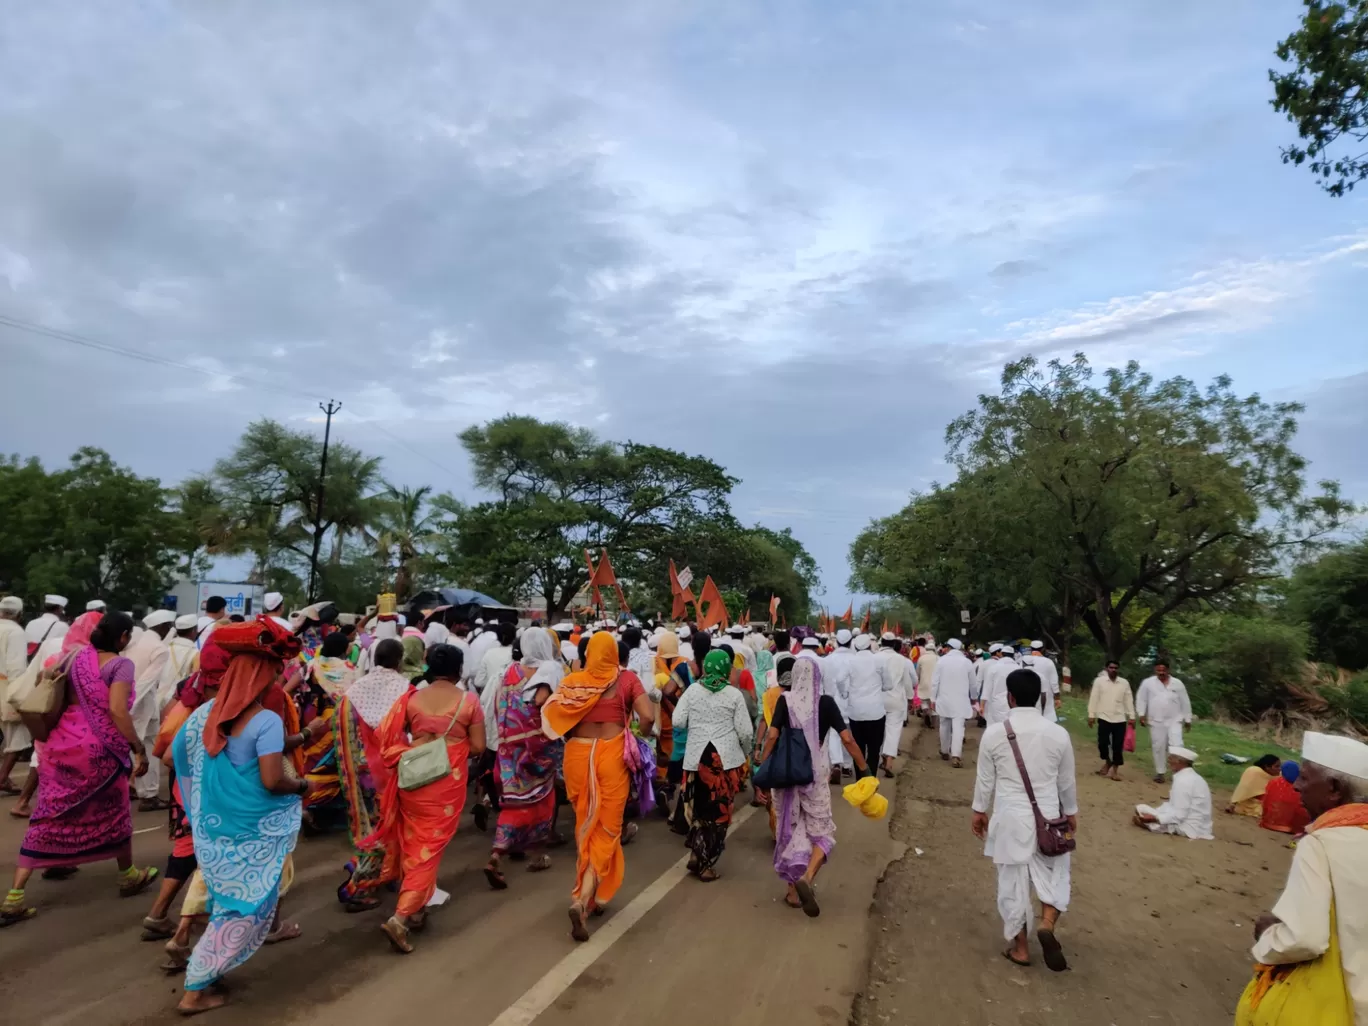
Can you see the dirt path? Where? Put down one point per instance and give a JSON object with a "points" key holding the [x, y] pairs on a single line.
{"points": [[1158, 932]]}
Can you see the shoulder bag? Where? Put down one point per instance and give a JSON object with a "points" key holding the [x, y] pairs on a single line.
{"points": [[789, 765], [1053, 836], [429, 762], [43, 706]]}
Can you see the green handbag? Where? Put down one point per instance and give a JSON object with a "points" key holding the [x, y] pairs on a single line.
{"points": [[429, 762]]}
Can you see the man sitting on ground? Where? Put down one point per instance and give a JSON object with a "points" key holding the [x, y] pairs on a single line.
{"points": [[1188, 810]]}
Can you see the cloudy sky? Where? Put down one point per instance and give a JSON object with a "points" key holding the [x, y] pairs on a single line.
{"points": [[798, 237]]}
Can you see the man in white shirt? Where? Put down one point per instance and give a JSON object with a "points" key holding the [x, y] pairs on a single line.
{"points": [[149, 654], [495, 658], [182, 661], [868, 682], [1010, 834], [898, 699], [1334, 788], [481, 644], [1049, 679], [1188, 810], [216, 611], [993, 698], [1162, 702], [13, 662], [568, 650], [926, 673], [273, 605], [954, 690], [641, 660], [51, 623], [836, 678]]}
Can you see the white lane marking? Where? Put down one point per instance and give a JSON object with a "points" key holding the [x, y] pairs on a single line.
{"points": [[542, 994], [148, 830]]}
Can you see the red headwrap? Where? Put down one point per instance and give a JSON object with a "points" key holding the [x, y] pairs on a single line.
{"points": [[258, 649]]}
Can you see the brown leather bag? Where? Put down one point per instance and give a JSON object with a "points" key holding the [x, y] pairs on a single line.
{"points": [[1053, 836]]}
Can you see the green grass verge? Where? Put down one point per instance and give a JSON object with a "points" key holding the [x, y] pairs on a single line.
{"points": [[1209, 740]]}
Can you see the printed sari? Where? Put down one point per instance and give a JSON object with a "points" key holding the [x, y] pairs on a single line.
{"points": [[416, 826], [362, 773], [327, 678], [244, 835], [81, 811], [803, 817], [527, 763]]}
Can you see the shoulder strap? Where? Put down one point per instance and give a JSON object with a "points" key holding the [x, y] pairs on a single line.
{"points": [[1021, 765]]}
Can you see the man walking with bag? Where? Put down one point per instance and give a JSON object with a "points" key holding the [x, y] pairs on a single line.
{"points": [[1039, 763]]}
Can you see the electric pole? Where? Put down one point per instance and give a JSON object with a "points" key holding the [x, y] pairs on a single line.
{"points": [[329, 408]]}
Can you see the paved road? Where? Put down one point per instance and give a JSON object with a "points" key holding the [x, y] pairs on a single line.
{"points": [[671, 950]]}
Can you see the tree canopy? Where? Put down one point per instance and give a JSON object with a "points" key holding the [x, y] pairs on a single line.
{"points": [[1111, 505], [1330, 595], [1325, 93]]}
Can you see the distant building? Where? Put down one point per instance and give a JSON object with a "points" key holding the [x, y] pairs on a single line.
{"points": [[190, 596]]}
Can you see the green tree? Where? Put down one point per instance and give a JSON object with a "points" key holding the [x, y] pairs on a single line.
{"points": [[559, 490], [1325, 94], [270, 490], [1330, 596], [405, 528]]}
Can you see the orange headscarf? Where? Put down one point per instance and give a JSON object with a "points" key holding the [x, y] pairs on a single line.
{"points": [[580, 692], [257, 648]]}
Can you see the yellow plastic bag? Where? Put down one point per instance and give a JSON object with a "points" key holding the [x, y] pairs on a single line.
{"points": [[1307, 994], [861, 791], [876, 807]]}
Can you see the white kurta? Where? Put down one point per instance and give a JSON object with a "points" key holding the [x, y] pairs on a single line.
{"points": [[1338, 854], [1188, 810], [1168, 709], [493, 665], [926, 671], [994, 695], [182, 660], [149, 655], [1049, 682], [1048, 754], [44, 628], [954, 686], [13, 662], [904, 676], [836, 677]]}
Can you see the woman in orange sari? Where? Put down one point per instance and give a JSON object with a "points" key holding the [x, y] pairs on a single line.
{"points": [[417, 825], [592, 709]]}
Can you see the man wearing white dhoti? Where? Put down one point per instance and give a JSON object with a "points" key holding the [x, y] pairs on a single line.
{"points": [[1048, 673], [896, 702], [954, 690], [149, 654], [1010, 834], [13, 662], [926, 673], [993, 700], [1188, 810], [837, 673], [1162, 703]]}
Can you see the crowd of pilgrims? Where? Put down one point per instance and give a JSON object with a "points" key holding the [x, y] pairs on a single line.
{"points": [[265, 728], [270, 727]]}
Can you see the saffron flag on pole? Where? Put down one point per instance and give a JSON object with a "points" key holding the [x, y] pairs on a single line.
{"points": [[680, 593], [774, 609], [603, 576], [864, 624], [849, 615], [715, 612]]}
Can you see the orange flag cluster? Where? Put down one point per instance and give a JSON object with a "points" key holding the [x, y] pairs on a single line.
{"points": [[602, 576]]}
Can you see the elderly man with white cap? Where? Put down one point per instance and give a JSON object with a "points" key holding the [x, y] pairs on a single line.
{"points": [[149, 654], [869, 679], [13, 662], [993, 698], [954, 690], [897, 700], [1188, 810], [1163, 705], [1323, 910], [837, 673], [49, 624]]}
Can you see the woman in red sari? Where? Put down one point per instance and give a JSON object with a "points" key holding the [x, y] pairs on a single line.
{"points": [[416, 826], [1283, 810]]}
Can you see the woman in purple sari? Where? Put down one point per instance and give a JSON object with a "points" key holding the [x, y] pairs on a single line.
{"points": [[81, 813], [806, 832]]}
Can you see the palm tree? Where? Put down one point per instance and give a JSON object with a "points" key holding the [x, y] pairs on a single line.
{"points": [[405, 526]]}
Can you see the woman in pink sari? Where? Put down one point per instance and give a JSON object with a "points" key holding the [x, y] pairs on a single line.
{"points": [[81, 813]]}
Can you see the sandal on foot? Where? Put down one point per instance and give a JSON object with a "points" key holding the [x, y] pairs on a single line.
{"points": [[792, 904], [216, 999], [139, 883], [1014, 960], [397, 933], [158, 929], [540, 864], [599, 911], [1050, 947], [11, 914], [20, 813], [360, 905], [495, 878], [807, 894], [578, 930], [709, 875], [956, 762], [153, 805]]}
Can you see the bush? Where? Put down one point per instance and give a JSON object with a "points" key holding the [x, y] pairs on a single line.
{"points": [[1331, 597], [1351, 700], [1239, 663]]}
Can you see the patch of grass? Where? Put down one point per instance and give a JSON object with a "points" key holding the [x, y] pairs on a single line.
{"points": [[1208, 739]]}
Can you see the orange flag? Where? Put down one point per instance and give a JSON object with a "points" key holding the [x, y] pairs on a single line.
{"points": [[774, 609], [864, 624], [682, 596], [849, 614], [898, 629], [885, 626], [716, 614], [603, 575]]}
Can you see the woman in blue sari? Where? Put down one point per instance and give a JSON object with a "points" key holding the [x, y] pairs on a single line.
{"points": [[244, 809]]}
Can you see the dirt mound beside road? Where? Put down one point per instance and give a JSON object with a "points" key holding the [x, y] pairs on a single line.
{"points": [[1158, 930]]}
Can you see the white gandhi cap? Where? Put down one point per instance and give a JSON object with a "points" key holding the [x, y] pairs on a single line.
{"points": [[1337, 754], [1183, 753], [158, 617]]}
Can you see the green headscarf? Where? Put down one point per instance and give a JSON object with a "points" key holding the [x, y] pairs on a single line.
{"points": [[415, 657], [717, 667]]}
